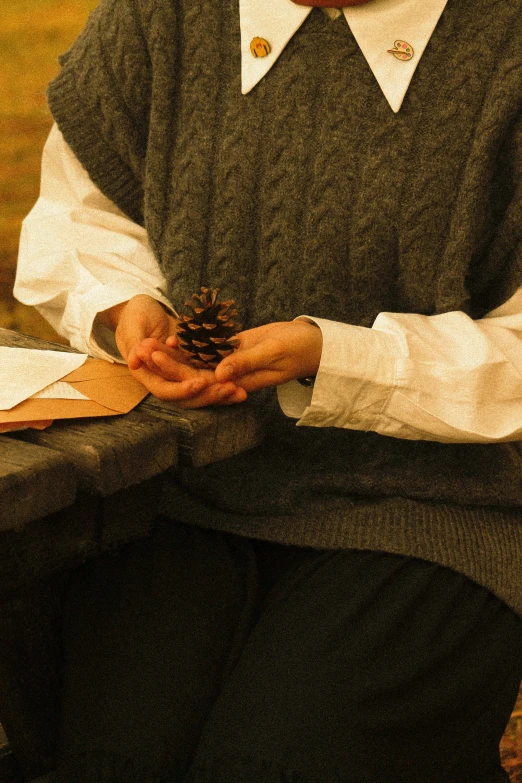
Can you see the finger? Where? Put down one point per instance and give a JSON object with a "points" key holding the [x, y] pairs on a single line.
{"points": [[261, 379], [263, 356], [169, 390], [252, 369], [145, 352], [229, 394], [133, 362], [128, 336], [145, 348], [171, 368], [213, 397], [240, 395]]}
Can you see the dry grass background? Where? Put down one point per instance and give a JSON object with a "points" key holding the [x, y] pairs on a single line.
{"points": [[32, 35]]}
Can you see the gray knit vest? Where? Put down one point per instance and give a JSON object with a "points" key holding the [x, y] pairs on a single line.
{"points": [[309, 195]]}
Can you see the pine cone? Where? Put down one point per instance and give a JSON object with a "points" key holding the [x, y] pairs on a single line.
{"points": [[208, 335]]}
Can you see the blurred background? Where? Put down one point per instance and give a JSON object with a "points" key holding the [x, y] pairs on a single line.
{"points": [[32, 35]]}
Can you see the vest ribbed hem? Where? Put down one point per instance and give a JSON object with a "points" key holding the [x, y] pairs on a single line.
{"points": [[483, 543]]}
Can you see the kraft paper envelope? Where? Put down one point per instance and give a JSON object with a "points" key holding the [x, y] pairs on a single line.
{"points": [[111, 390]]}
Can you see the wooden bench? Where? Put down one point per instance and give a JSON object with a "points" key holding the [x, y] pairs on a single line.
{"points": [[68, 493]]}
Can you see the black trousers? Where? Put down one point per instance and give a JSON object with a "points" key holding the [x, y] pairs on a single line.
{"points": [[201, 657]]}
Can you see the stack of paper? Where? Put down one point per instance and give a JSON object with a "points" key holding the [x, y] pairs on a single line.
{"points": [[40, 386]]}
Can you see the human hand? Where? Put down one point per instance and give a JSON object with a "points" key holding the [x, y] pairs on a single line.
{"points": [[135, 320], [141, 326], [273, 354], [267, 355], [170, 376]]}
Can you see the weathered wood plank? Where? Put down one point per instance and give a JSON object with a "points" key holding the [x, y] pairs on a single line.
{"points": [[208, 435], [34, 482], [111, 453]]}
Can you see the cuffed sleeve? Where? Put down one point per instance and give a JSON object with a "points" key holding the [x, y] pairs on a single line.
{"points": [[80, 255], [446, 378]]}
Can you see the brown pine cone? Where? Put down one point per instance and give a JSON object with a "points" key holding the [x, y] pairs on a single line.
{"points": [[207, 335]]}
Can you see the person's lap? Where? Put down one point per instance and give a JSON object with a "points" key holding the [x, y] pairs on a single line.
{"points": [[198, 656]]}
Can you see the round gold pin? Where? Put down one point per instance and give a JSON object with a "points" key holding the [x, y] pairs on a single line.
{"points": [[401, 50], [259, 47]]}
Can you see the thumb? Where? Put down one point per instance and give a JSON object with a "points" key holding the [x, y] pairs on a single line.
{"points": [[134, 326], [255, 362], [126, 339]]}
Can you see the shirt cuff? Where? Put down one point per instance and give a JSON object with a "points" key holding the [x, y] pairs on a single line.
{"points": [[355, 379]]}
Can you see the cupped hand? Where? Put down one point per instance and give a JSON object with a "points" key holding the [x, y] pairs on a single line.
{"points": [[141, 327], [267, 355], [169, 376]]}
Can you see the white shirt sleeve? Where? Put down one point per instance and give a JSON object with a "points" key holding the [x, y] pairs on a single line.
{"points": [[445, 377], [80, 255]]}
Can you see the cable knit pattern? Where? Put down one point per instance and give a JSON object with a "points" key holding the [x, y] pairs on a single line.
{"points": [[310, 195]]}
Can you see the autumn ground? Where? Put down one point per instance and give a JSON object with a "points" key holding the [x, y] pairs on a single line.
{"points": [[32, 34]]}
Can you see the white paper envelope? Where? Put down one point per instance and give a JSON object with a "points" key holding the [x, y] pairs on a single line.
{"points": [[26, 371], [110, 389]]}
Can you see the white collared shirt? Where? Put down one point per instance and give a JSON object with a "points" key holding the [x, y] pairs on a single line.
{"points": [[443, 377], [375, 26]]}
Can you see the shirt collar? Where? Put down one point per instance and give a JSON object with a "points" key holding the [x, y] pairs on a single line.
{"points": [[375, 26]]}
